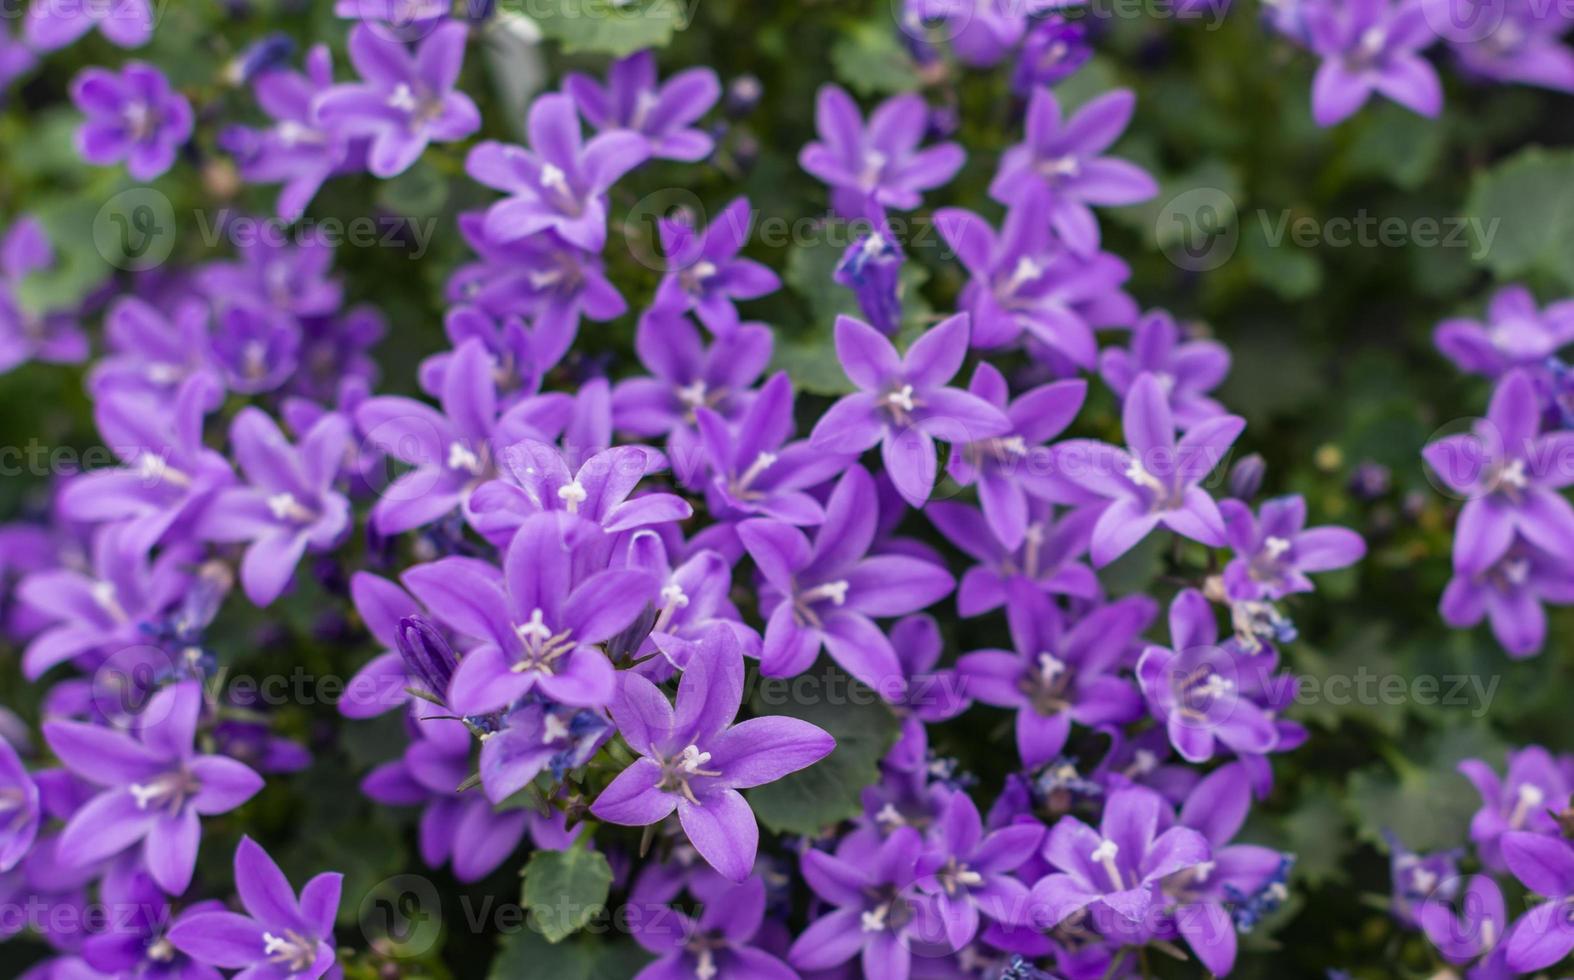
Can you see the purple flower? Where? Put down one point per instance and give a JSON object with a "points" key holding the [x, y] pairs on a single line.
{"points": [[1522, 47], [1194, 687], [968, 871], [16, 58], [692, 603], [460, 826], [694, 759], [1155, 481], [1509, 594], [1516, 333], [291, 277], [1528, 797], [1371, 46], [1059, 673], [1545, 866], [134, 116], [282, 936], [719, 945], [154, 788], [559, 182], [1065, 159], [1025, 281], [19, 809], [1273, 553], [135, 941], [1475, 933], [404, 101], [929, 693], [664, 114], [872, 268], [1052, 52], [1187, 371], [905, 404], [1118, 867], [877, 911], [881, 160], [1048, 557], [826, 594], [704, 272], [1510, 475], [126, 23], [54, 337], [154, 353], [538, 622], [536, 737], [289, 503], [1417, 877]]}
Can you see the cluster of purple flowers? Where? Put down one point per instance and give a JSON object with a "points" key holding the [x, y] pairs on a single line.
{"points": [[1515, 531]]}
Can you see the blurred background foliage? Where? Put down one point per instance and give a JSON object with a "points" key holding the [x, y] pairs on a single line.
{"points": [[1333, 367]]}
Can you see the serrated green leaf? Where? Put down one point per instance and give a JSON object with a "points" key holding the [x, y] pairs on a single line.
{"points": [[527, 954], [1522, 216], [871, 60], [564, 890]]}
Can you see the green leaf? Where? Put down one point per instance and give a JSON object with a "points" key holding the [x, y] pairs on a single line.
{"points": [[1427, 805], [871, 61], [1521, 216], [827, 792], [1396, 145], [1283, 266], [527, 954], [1316, 834], [610, 27], [419, 192], [565, 889]]}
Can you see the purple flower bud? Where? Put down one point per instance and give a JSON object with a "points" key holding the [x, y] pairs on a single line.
{"points": [[264, 55], [743, 94], [1246, 476], [426, 654], [1370, 480], [871, 267], [1053, 51]]}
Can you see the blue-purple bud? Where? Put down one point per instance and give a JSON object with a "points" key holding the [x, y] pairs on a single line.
{"points": [[427, 655], [1246, 477]]}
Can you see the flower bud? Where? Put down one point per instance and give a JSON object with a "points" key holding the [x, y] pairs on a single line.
{"points": [[427, 656]]}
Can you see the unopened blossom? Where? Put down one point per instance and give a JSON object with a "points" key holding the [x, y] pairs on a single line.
{"points": [[1510, 474], [1528, 796], [133, 116], [1275, 549], [880, 159], [827, 593], [969, 872], [705, 274], [1066, 158], [281, 936], [1516, 332], [537, 622], [404, 100], [1510, 594], [1545, 866], [1196, 687], [54, 337], [1052, 51], [1120, 866], [1186, 369], [1154, 482], [1371, 47], [125, 23], [560, 182], [694, 759], [663, 113], [19, 809], [1049, 558], [876, 911], [154, 789], [872, 268], [905, 402]]}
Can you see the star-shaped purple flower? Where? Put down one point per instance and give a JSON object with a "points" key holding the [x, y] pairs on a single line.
{"points": [[1371, 46], [881, 160], [1275, 550], [663, 113], [704, 272], [1515, 333], [1187, 370], [968, 872], [126, 23], [133, 116]]}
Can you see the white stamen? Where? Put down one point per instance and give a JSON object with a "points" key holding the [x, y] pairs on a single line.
{"points": [[1513, 474], [834, 591], [553, 178], [1276, 547], [553, 729], [403, 98], [705, 965], [1026, 271], [573, 495], [1050, 667], [461, 458], [902, 399], [692, 395], [874, 920], [889, 817], [673, 596], [692, 759], [534, 630]]}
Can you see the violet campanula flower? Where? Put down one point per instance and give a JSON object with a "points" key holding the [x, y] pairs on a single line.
{"points": [[662, 113], [1194, 687], [753, 473], [560, 181], [255, 346], [881, 159], [1013, 465], [1059, 672], [538, 622], [291, 276], [125, 23], [154, 789], [382, 683], [154, 353], [1066, 159], [1545, 866], [684, 376], [1371, 46], [826, 594], [1052, 52], [1187, 370], [693, 759], [877, 912], [1120, 866], [1154, 482], [1515, 333], [1024, 281], [537, 737], [134, 116], [905, 404], [1275, 550], [1475, 934], [1524, 47], [1049, 557], [288, 504], [1529, 796], [1509, 594], [705, 273], [456, 826], [19, 809], [404, 101], [968, 872], [516, 371], [719, 945], [692, 603], [1416, 877], [135, 942], [872, 268], [52, 336], [1510, 474], [282, 936]]}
